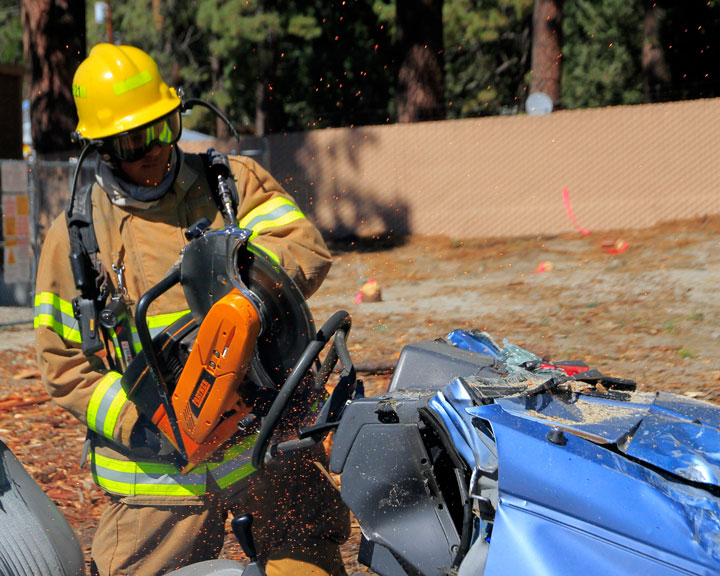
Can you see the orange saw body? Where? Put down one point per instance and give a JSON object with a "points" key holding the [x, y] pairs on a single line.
{"points": [[206, 399]]}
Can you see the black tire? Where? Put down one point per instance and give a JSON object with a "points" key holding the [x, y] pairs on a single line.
{"points": [[35, 538]]}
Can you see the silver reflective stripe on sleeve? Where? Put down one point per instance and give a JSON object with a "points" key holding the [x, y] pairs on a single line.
{"points": [[57, 314], [271, 214], [105, 405], [129, 478]]}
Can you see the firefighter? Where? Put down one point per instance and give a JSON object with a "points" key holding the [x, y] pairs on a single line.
{"points": [[146, 193]]}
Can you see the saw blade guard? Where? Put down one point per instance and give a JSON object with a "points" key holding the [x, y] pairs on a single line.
{"points": [[219, 262]]}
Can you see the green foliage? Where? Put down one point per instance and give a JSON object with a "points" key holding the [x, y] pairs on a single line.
{"points": [[11, 46], [302, 26], [322, 63], [487, 45], [319, 63], [602, 53], [686, 354], [169, 32]]}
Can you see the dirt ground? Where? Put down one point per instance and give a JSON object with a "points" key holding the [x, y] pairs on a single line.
{"points": [[649, 312], [638, 304]]}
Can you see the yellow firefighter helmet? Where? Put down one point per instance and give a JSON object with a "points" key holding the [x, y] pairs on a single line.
{"points": [[117, 89]]}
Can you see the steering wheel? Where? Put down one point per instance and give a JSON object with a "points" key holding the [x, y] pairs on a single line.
{"points": [[337, 326]]}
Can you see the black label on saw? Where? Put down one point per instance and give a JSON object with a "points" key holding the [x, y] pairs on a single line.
{"points": [[200, 392]]}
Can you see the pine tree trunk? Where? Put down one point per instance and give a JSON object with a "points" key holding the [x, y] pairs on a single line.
{"points": [[260, 107], [54, 44], [222, 132], [654, 66], [421, 84], [546, 60], [262, 98]]}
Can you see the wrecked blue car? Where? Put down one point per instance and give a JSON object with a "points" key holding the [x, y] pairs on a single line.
{"points": [[486, 460]]}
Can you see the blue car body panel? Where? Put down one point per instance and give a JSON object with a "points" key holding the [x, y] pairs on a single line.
{"points": [[587, 501], [594, 484], [682, 436]]}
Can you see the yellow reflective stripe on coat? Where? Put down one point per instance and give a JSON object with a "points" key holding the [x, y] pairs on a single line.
{"points": [[159, 322], [57, 314], [156, 324], [236, 463], [256, 249], [271, 214], [106, 402], [129, 478]]}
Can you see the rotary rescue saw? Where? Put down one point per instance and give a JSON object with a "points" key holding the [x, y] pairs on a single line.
{"points": [[216, 369]]}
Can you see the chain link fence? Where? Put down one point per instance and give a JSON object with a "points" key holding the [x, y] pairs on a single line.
{"points": [[602, 169]]}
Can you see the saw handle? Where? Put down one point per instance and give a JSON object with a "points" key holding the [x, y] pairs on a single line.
{"points": [[170, 279], [337, 325], [242, 528], [153, 362]]}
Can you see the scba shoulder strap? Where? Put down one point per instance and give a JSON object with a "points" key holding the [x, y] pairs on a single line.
{"points": [[86, 269]]}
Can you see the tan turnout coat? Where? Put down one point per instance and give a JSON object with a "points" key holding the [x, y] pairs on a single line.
{"points": [[147, 242]]}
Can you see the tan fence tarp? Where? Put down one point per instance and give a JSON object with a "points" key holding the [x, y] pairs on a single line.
{"points": [[623, 167]]}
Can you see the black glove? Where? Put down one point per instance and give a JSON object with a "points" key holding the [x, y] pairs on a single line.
{"points": [[146, 440]]}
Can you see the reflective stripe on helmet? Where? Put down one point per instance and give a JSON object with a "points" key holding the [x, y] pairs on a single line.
{"points": [[105, 405], [57, 314], [132, 83]]}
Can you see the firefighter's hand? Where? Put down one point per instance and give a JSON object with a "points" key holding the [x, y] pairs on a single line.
{"points": [[146, 440]]}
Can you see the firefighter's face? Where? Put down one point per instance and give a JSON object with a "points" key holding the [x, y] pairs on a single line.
{"points": [[151, 168]]}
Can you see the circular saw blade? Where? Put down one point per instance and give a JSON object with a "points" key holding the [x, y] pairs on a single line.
{"points": [[222, 260], [288, 326]]}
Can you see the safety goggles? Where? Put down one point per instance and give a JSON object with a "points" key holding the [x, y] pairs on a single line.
{"points": [[131, 146]]}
